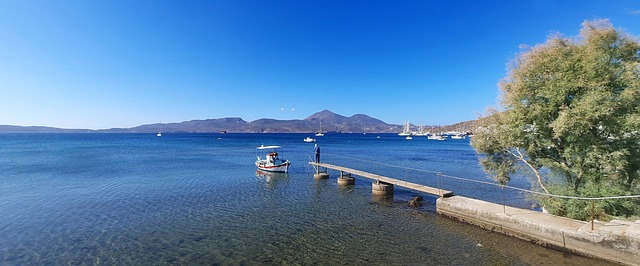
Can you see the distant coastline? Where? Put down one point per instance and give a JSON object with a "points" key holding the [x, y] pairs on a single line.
{"points": [[331, 122]]}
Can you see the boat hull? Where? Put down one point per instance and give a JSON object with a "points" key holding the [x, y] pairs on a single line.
{"points": [[280, 168]]}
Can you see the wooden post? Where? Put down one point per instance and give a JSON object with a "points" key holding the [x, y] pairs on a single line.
{"points": [[593, 212], [504, 201], [439, 184]]}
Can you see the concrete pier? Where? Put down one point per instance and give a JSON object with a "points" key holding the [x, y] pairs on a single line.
{"points": [[617, 241], [388, 180]]}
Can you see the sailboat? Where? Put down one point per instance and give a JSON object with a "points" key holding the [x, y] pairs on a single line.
{"points": [[405, 130], [421, 131], [159, 133], [319, 133]]}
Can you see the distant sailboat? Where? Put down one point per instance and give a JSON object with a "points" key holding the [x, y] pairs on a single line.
{"points": [[319, 133], [437, 137], [405, 130], [421, 131], [159, 132]]}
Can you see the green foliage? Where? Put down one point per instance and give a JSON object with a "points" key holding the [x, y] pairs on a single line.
{"points": [[571, 105], [605, 210]]}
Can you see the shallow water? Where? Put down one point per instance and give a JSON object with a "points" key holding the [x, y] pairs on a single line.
{"points": [[198, 199]]}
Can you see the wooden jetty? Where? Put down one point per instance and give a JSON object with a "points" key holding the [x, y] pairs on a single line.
{"points": [[388, 180]]}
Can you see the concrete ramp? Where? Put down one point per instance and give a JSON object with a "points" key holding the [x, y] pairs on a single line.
{"points": [[617, 241]]}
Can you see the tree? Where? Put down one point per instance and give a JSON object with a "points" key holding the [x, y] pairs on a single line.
{"points": [[571, 108]]}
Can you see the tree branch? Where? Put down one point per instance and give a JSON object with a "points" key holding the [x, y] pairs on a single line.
{"points": [[535, 171]]}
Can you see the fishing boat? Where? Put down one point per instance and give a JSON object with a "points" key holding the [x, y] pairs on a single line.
{"points": [[272, 162], [309, 139]]}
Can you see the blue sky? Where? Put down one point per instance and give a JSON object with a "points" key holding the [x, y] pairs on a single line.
{"points": [[109, 63]]}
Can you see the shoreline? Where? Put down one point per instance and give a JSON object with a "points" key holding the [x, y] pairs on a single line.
{"points": [[615, 241]]}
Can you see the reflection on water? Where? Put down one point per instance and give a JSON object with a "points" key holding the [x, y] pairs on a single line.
{"points": [[271, 179]]}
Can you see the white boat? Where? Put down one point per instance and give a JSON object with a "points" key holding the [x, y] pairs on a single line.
{"points": [[272, 163], [408, 137], [406, 131], [458, 136], [309, 139], [159, 134], [319, 133], [436, 137]]}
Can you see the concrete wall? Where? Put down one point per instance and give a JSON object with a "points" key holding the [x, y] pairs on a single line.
{"points": [[616, 241]]}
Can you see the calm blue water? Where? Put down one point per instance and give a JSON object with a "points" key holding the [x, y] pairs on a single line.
{"points": [[138, 199]]}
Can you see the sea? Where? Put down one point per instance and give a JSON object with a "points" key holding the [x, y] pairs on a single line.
{"points": [[198, 199]]}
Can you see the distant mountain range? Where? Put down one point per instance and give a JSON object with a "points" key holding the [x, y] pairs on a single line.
{"points": [[329, 121]]}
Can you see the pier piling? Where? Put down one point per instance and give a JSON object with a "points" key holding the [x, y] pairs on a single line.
{"points": [[345, 179], [382, 189], [320, 173]]}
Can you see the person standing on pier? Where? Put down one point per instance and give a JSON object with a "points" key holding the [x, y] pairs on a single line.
{"points": [[316, 150]]}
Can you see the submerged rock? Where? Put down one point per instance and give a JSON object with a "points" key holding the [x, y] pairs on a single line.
{"points": [[415, 202]]}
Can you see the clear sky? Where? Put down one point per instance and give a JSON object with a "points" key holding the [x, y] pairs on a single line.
{"points": [[109, 63]]}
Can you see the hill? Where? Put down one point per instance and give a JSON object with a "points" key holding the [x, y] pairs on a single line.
{"points": [[39, 129], [329, 121]]}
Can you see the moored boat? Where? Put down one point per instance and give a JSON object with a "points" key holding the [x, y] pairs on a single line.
{"points": [[319, 133], [437, 137], [272, 162], [406, 130], [309, 139]]}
